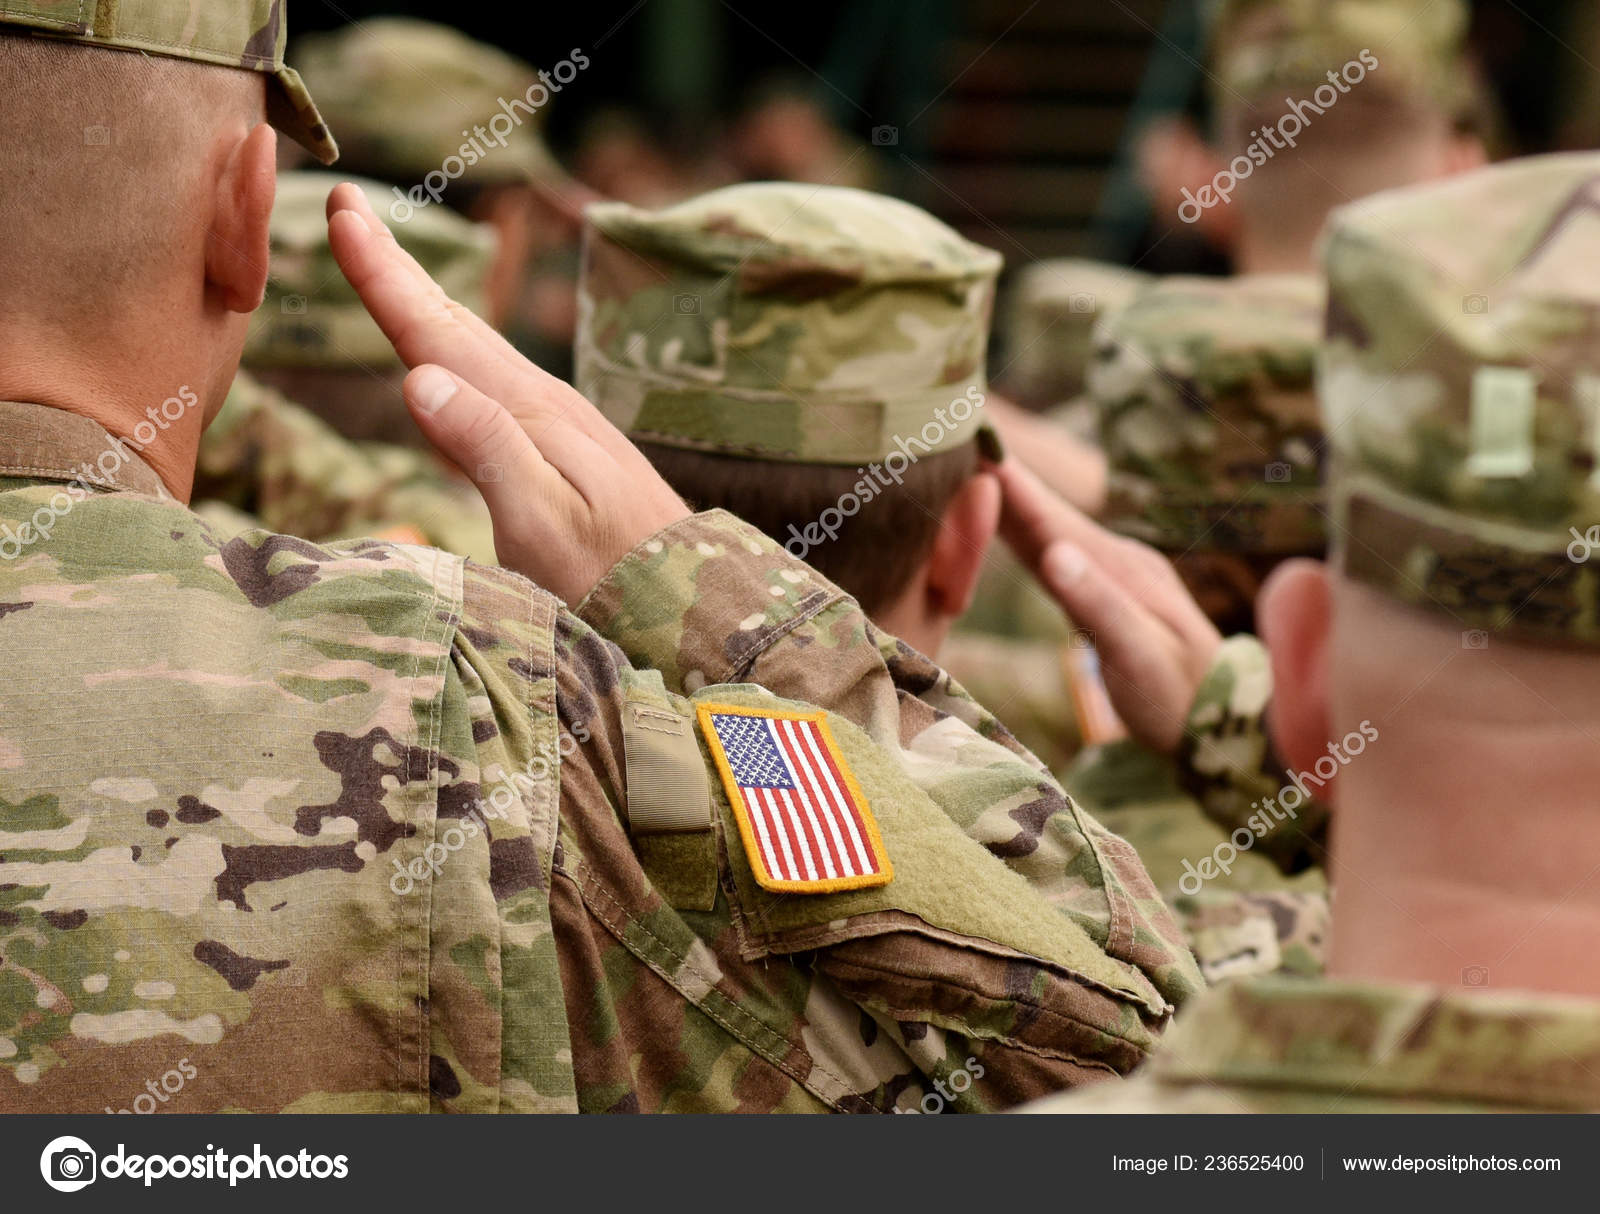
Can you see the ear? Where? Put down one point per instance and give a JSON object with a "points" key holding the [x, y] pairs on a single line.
{"points": [[968, 525], [1295, 614], [238, 242]]}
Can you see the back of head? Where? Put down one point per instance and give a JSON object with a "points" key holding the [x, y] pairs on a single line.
{"points": [[1049, 326], [1319, 102], [1203, 392], [794, 353], [1461, 389], [107, 151]]}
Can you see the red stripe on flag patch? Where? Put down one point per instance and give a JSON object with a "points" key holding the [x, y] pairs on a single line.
{"points": [[804, 820]]}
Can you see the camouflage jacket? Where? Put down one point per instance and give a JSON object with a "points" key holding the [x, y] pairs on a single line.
{"points": [[1283, 1045], [348, 827], [1240, 913], [291, 472]]}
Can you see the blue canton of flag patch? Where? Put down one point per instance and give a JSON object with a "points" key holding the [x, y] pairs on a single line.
{"points": [[754, 759]]}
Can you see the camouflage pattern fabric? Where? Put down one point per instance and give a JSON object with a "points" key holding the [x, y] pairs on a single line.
{"points": [[311, 316], [368, 801], [1050, 322], [1281, 1045], [1259, 49], [786, 322], [284, 469], [408, 95], [1024, 684], [1203, 388], [1241, 914], [1463, 414], [246, 34]]}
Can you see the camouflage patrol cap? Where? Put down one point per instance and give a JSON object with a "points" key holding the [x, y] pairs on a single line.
{"points": [[1055, 306], [1461, 388], [406, 96], [248, 34], [311, 316], [1204, 390], [786, 322], [1261, 47]]}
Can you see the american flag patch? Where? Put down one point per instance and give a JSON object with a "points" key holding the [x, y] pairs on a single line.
{"points": [[804, 820]]}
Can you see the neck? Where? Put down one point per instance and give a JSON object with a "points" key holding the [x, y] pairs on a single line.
{"points": [[1253, 255], [1466, 857], [158, 403]]}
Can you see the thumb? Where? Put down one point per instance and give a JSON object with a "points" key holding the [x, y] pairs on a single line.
{"points": [[476, 434]]}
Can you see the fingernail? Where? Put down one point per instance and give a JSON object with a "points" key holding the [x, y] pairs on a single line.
{"points": [[431, 389], [1064, 563]]}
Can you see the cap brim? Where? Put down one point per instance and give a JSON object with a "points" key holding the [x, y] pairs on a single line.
{"points": [[291, 110]]}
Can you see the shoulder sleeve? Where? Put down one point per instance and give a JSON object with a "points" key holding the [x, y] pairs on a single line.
{"points": [[711, 600]]}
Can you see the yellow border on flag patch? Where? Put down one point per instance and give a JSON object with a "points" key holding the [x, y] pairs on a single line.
{"points": [[752, 849]]}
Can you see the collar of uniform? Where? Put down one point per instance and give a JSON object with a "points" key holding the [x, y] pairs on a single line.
{"points": [[1377, 1039], [42, 443]]}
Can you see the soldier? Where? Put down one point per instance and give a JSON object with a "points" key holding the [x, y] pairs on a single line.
{"points": [[1317, 103], [446, 120], [774, 350], [267, 461], [1442, 670], [369, 826]]}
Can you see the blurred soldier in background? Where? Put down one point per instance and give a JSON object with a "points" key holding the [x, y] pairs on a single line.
{"points": [[369, 826], [293, 448], [1449, 656], [1207, 414], [446, 120], [1316, 103]]}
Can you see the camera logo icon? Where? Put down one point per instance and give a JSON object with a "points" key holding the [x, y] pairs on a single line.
{"points": [[491, 474], [97, 136], [68, 1164], [294, 305], [1081, 302], [1476, 638], [1082, 638], [885, 136], [1279, 474], [686, 305], [1475, 975], [1475, 305]]}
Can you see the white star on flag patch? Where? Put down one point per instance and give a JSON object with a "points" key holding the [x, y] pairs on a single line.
{"points": [[805, 823]]}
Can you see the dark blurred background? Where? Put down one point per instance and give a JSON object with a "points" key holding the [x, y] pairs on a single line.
{"points": [[1008, 118]]}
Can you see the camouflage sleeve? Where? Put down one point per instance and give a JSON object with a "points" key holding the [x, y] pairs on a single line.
{"points": [[711, 600], [1227, 763], [269, 457]]}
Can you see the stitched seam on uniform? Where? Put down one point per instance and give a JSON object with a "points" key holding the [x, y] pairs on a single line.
{"points": [[57, 21], [744, 657], [68, 473], [761, 1027], [424, 977]]}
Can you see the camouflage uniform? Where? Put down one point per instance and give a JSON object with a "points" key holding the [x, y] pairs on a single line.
{"points": [[1465, 446], [1203, 389], [287, 469], [365, 828]]}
